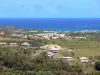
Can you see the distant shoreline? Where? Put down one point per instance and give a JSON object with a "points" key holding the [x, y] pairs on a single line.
{"points": [[58, 24], [49, 29]]}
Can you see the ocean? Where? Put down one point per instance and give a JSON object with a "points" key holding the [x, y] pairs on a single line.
{"points": [[61, 24]]}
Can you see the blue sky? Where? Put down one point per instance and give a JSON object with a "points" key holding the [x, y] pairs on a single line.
{"points": [[49, 8]]}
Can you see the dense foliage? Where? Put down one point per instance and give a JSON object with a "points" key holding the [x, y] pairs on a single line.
{"points": [[17, 61], [97, 66]]}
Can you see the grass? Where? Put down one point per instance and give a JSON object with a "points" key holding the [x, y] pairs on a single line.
{"points": [[81, 47], [87, 52]]}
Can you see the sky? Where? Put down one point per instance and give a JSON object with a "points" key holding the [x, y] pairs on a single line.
{"points": [[49, 8]]}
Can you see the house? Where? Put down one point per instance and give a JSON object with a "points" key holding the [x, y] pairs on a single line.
{"points": [[14, 35], [50, 54], [3, 44], [25, 44], [84, 59], [80, 37], [2, 33], [54, 50], [68, 58], [13, 44], [54, 37]]}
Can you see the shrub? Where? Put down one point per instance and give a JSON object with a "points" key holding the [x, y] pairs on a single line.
{"points": [[97, 65]]}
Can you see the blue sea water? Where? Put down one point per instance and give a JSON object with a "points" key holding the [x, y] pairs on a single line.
{"points": [[69, 24]]}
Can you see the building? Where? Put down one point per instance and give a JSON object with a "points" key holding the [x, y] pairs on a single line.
{"points": [[3, 44], [25, 44], [54, 37], [50, 54], [54, 50], [80, 37], [2, 33], [84, 59], [13, 44], [68, 58]]}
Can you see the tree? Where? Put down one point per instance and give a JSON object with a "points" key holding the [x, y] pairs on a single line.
{"points": [[97, 65]]}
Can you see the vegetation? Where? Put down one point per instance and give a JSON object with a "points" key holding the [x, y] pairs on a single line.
{"points": [[97, 66], [14, 61], [17, 61]]}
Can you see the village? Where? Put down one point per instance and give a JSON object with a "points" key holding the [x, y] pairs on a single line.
{"points": [[75, 49], [41, 35], [52, 51]]}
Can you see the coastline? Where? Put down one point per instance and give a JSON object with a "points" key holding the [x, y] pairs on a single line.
{"points": [[56, 24]]}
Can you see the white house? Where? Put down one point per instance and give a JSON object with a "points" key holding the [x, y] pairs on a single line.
{"points": [[54, 50], [84, 59], [68, 58], [50, 54], [80, 37], [13, 44]]}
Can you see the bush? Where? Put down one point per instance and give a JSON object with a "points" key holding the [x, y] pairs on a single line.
{"points": [[97, 66]]}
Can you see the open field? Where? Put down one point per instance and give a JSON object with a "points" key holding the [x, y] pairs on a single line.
{"points": [[81, 47]]}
